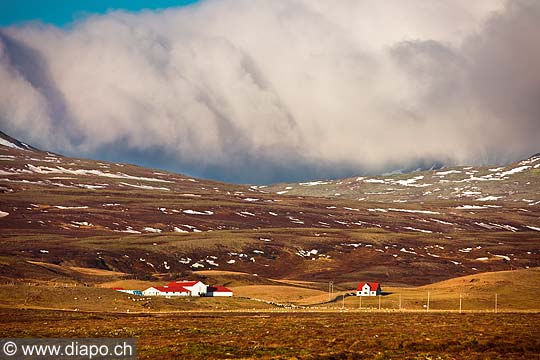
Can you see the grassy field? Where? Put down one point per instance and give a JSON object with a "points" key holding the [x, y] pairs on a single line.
{"points": [[516, 291], [281, 294], [295, 335], [93, 299]]}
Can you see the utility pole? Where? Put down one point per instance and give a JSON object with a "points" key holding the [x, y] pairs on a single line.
{"points": [[330, 290], [360, 302], [379, 302], [400, 302], [496, 303], [460, 302], [427, 308], [343, 301]]}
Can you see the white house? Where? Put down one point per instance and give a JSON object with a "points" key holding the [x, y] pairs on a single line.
{"points": [[218, 291], [166, 291], [368, 289], [197, 288], [187, 288]]}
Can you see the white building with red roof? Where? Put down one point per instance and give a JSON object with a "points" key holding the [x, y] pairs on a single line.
{"points": [[197, 288], [368, 289], [187, 288], [219, 291]]}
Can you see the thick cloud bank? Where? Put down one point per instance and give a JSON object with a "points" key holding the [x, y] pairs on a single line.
{"points": [[259, 90]]}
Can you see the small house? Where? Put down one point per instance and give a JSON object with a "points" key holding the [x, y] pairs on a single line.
{"points": [[219, 291], [368, 289], [196, 288]]}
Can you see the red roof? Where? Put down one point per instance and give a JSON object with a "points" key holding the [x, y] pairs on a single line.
{"points": [[373, 286], [167, 288], [218, 289], [182, 283]]}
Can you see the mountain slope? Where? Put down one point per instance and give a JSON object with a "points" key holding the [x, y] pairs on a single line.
{"points": [[8, 141], [517, 183], [77, 212]]}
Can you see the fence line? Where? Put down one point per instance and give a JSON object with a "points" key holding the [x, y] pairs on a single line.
{"points": [[429, 301]]}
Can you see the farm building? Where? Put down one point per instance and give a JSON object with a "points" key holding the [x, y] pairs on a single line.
{"points": [[218, 291], [196, 288], [166, 291], [187, 288], [368, 289]]}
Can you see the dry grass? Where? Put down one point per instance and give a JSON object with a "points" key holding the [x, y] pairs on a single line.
{"points": [[96, 272], [93, 299], [220, 272], [516, 290], [277, 293], [298, 282], [129, 284], [523, 281], [295, 335]]}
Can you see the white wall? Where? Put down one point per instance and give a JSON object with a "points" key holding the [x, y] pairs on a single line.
{"points": [[366, 291], [198, 289], [220, 293], [154, 292], [150, 292]]}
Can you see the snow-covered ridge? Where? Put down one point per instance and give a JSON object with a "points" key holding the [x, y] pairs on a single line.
{"points": [[314, 183], [89, 172], [13, 145], [415, 211], [144, 187], [194, 212], [4, 142], [438, 184]]}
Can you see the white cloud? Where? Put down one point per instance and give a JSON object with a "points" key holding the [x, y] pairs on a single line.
{"points": [[365, 85]]}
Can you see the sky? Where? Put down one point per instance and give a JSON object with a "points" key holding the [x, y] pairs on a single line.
{"points": [[260, 91], [64, 12]]}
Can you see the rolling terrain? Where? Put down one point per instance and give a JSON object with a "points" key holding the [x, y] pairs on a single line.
{"points": [[148, 223], [477, 293]]}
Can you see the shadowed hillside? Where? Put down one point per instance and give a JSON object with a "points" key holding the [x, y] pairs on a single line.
{"points": [[69, 213]]}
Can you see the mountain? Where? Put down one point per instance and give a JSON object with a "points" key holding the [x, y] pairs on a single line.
{"points": [[6, 140], [409, 229], [515, 183]]}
